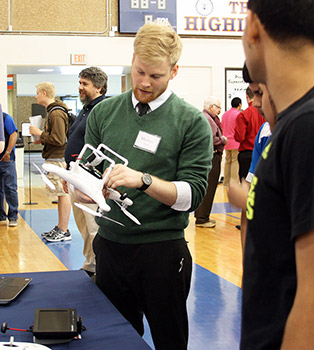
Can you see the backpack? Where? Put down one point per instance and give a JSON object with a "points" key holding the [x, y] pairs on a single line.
{"points": [[71, 116]]}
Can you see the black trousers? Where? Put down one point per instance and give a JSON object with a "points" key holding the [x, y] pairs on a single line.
{"points": [[202, 213], [244, 159], [151, 278]]}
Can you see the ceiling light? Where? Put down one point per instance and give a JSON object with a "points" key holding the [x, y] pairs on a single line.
{"points": [[45, 70]]}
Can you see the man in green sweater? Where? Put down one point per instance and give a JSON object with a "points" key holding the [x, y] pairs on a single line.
{"points": [[146, 269]]}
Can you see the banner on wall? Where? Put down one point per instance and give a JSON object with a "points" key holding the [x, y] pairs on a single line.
{"points": [[10, 81], [211, 17], [189, 17]]}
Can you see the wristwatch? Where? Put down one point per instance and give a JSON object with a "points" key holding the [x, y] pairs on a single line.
{"points": [[147, 181]]}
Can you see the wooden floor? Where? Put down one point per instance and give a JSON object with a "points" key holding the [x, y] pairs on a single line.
{"points": [[21, 250], [217, 250]]}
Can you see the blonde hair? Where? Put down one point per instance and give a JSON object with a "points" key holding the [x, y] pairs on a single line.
{"points": [[48, 87], [155, 41]]}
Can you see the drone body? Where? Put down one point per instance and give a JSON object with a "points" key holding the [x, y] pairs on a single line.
{"points": [[87, 179], [83, 181]]}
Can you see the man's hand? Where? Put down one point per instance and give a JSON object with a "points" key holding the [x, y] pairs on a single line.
{"points": [[163, 191], [121, 175], [237, 193], [5, 157], [82, 197], [65, 186], [11, 144], [78, 195], [35, 131]]}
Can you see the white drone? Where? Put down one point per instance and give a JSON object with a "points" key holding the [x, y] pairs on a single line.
{"points": [[86, 178]]}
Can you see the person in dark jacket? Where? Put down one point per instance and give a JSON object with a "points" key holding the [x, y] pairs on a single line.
{"points": [[92, 90]]}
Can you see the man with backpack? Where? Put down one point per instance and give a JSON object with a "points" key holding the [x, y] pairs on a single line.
{"points": [[54, 139]]}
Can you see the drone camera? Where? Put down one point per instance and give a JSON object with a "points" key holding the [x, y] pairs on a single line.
{"points": [[91, 170], [91, 158]]}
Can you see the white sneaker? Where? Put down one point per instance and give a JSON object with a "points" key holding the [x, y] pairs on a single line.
{"points": [[59, 236], [209, 224], [50, 233]]}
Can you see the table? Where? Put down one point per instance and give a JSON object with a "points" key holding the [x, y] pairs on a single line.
{"points": [[106, 328]]}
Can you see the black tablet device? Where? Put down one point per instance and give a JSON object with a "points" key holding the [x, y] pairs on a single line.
{"points": [[56, 324]]}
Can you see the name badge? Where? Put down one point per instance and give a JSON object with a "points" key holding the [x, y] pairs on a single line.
{"points": [[147, 142]]}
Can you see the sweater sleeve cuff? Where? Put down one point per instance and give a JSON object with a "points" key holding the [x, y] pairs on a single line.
{"points": [[249, 177], [184, 196]]}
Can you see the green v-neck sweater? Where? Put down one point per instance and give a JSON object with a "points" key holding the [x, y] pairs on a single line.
{"points": [[184, 154]]}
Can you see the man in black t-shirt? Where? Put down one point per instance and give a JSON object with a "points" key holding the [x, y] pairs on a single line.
{"points": [[278, 277]]}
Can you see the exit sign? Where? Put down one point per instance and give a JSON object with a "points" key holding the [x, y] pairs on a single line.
{"points": [[78, 58]]}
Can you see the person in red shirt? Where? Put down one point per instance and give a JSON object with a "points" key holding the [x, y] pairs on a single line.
{"points": [[247, 126], [228, 122]]}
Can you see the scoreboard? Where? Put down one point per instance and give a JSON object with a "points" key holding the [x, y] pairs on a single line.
{"points": [[133, 14]]}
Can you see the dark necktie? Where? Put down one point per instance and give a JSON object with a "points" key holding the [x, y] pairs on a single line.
{"points": [[142, 108]]}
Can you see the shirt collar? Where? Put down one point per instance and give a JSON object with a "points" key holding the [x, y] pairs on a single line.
{"points": [[157, 102], [95, 101], [207, 112]]}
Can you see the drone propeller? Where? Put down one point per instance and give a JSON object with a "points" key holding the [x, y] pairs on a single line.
{"points": [[96, 213], [45, 178], [127, 213]]}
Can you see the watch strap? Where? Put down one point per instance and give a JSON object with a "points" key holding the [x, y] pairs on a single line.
{"points": [[146, 184]]}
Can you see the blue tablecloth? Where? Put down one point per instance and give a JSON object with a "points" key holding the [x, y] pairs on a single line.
{"points": [[105, 327]]}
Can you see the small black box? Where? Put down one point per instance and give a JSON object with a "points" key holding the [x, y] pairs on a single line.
{"points": [[55, 324]]}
